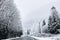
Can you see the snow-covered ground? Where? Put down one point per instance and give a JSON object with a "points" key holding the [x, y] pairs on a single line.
{"points": [[56, 37], [46, 38]]}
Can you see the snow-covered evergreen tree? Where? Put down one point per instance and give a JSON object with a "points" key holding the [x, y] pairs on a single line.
{"points": [[9, 17], [44, 23], [44, 26], [54, 21]]}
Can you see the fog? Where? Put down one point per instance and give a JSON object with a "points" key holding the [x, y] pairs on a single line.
{"points": [[34, 11]]}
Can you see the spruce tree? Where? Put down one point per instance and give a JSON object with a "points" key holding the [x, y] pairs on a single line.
{"points": [[53, 23], [44, 23]]}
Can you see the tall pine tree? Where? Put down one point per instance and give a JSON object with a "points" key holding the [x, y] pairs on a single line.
{"points": [[54, 21]]}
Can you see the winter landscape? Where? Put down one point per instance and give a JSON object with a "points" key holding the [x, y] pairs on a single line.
{"points": [[29, 19]]}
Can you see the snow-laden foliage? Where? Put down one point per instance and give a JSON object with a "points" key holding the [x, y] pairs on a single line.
{"points": [[54, 21], [44, 23], [9, 19]]}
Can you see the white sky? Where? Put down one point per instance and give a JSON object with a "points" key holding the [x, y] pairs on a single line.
{"points": [[32, 11]]}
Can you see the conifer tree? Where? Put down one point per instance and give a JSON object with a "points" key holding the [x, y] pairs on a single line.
{"points": [[44, 23], [53, 23]]}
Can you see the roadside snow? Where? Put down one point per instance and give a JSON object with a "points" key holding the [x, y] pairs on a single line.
{"points": [[46, 38]]}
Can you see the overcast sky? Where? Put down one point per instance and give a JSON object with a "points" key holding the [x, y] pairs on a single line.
{"points": [[33, 11]]}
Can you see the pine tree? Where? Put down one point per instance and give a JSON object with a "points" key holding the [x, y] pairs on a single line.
{"points": [[9, 18], [53, 23], [44, 23]]}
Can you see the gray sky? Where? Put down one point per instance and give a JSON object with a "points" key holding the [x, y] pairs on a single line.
{"points": [[33, 11]]}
